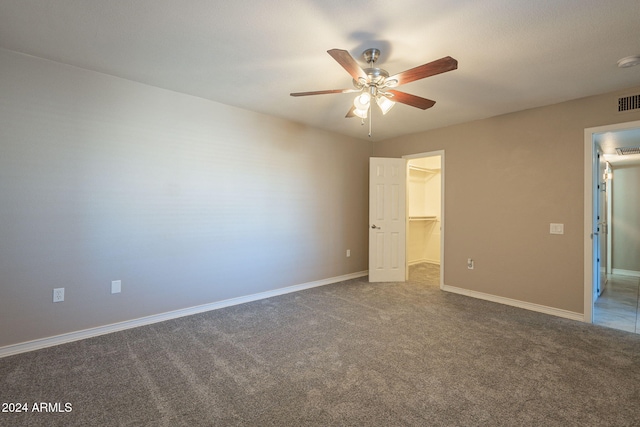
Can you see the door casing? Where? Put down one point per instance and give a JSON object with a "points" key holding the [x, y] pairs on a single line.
{"points": [[442, 219], [590, 215]]}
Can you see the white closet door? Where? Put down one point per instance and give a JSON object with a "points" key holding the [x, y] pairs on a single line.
{"points": [[387, 219]]}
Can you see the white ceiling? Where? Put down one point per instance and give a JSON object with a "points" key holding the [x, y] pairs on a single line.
{"points": [[512, 54]]}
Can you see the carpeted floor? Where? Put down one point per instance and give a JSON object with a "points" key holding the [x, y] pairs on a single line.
{"points": [[347, 354]]}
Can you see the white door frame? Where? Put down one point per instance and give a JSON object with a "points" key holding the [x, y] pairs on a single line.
{"points": [[417, 156], [590, 175]]}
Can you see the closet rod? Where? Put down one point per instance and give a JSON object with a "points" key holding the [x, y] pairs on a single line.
{"points": [[423, 218]]}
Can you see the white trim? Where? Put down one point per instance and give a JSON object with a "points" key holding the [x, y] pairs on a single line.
{"points": [[609, 195], [622, 272], [515, 303], [589, 150], [148, 320], [588, 225]]}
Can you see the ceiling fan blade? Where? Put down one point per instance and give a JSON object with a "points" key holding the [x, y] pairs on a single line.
{"points": [[350, 113], [324, 92], [438, 66], [348, 63], [408, 99]]}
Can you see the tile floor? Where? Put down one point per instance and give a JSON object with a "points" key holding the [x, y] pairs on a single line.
{"points": [[618, 305]]}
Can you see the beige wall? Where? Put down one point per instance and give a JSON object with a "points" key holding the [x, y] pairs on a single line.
{"points": [[625, 220], [186, 201], [506, 179]]}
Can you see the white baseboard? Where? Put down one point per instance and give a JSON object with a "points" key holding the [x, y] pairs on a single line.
{"points": [[516, 303], [622, 272], [134, 323]]}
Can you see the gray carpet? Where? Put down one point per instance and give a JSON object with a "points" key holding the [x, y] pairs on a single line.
{"points": [[348, 354]]}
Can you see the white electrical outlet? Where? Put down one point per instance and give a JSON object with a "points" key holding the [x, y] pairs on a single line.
{"points": [[58, 295], [116, 286], [348, 253]]}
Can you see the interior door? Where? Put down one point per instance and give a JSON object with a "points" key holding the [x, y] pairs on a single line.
{"points": [[387, 219], [598, 170], [603, 223]]}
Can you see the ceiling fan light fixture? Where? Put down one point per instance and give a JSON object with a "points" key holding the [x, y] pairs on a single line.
{"points": [[360, 113], [385, 104], [362, 101]]}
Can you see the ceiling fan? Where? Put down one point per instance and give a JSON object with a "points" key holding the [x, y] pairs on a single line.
{"points": [[375, 84]]}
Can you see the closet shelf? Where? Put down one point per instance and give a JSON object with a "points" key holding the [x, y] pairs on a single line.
{"points": [[425, 170], [423, 218]]}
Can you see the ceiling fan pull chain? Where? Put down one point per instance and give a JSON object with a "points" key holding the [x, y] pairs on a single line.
{"points": [[370, 118]]}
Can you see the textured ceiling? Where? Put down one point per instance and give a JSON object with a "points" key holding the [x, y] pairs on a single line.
{"points": [[513, 54]]}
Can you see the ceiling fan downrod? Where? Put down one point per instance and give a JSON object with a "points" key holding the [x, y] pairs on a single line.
{"points": [[371, 55]]}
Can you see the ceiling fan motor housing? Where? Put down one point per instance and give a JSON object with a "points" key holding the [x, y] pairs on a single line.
{"points": [[375, 76]]}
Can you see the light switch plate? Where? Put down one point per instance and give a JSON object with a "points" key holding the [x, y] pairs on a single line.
{"points": [[556, 228], [116, 286]]}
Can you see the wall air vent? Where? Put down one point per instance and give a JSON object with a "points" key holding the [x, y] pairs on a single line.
{"points": [[625, 151], [628, 103]]}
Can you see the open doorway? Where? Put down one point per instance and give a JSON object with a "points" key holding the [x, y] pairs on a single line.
{"points": [[612, 232], [425, 208]]}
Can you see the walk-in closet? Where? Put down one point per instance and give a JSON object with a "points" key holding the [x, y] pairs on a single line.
{"points": [[424, 209]]}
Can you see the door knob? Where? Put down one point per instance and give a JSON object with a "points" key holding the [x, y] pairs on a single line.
{"points": [[374, 226]]}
